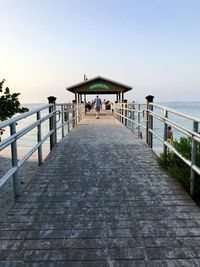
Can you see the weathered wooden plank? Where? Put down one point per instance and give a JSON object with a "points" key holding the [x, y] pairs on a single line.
{"points": [[101, 199]]}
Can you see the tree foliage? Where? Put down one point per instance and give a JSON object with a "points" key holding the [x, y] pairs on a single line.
{"points": [[9, 103]]}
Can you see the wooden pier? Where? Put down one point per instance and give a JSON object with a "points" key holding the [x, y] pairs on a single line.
{"points": [[100, 199]]}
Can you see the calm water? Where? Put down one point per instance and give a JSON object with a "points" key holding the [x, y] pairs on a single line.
{"points": [[30, 139]]}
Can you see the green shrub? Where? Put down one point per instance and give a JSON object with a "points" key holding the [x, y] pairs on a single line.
{"points": [[177, 168]]}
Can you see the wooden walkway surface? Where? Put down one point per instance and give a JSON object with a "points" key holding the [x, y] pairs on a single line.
{"points": [[100, 199]]}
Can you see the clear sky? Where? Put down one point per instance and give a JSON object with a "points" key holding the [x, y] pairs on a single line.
{"points": [[152, 45]]}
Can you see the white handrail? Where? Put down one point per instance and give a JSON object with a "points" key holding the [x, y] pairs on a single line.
{"points": [[76, 110]]}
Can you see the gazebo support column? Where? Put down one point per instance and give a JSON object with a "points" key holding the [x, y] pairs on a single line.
{"points": [[79, 98], [122, 96], [117, 96], [76, 97]]}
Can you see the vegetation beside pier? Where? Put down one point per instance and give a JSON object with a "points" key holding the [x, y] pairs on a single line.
{"points": [[179, 169]]}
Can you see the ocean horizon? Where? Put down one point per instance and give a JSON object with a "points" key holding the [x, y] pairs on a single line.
{"points": [[191, 108]]}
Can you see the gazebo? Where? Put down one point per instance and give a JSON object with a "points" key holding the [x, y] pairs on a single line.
{"points": [[99, 85]]}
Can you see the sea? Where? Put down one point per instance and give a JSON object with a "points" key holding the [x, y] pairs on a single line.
{"points": [[29, 140]]}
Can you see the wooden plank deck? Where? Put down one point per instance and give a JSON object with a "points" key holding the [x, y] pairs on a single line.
{"points": [[100, 199]]}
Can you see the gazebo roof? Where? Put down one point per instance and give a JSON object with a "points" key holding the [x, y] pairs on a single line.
{"points": [[99, 85]]}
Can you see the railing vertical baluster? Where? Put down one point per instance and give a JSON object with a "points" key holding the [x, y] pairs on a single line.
{"points": [[165, 135], [16, 183], [67, 115], [122, 109], [151, 127], [193, 159], [74, 115], [133, 113], [147, 126], [139, 120], [77, 114], [39, 139], [62, 120], [120, 112], [149, 122], [125, 114], [52, 121], [132, 116]]}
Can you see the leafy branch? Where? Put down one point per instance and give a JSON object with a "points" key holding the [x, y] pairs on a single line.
{"points": [[9, 103]]}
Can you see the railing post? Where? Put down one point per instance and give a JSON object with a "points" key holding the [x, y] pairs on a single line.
{"points": [[52, 121], [125, 113], [149, 121], [67, 108], [65, 113], [62, 120], [132, 124], [39, 139], [138, 120], [165, 135], [116, 109], [78, 113], [75, 109], [67, 116], [74, 113], [133, 112], [122, 113], [193, 159], [16, 183]]}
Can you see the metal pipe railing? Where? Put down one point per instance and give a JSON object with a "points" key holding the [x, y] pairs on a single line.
{"points": [[120, 111], [64, 113]]}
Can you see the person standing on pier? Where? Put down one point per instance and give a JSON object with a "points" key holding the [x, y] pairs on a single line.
{"points": [[104, 104], [169, 135], [97, 104]]}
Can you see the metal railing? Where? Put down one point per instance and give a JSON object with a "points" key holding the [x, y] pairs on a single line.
{"points": [[58, 117], [131, 115], [192, 134], [152, 113]]}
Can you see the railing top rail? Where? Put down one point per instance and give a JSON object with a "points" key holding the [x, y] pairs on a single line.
{"points": [[131, 103], [58, 104], [69, 104], [176, 112], [179, 127], [137, 103], [23, 116]]}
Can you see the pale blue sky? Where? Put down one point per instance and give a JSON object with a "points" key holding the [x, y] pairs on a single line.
{"points": [[152, 45]]}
